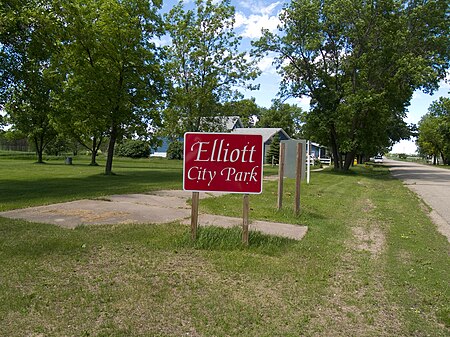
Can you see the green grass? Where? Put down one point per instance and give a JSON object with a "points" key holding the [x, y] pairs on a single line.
{"points": [[371, 264], [24, 183]]}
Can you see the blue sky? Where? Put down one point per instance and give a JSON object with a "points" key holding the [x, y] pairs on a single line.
{"points": [[253, 15]]}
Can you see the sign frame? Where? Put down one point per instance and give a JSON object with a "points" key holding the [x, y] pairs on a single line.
{"points": [[255, 140]]}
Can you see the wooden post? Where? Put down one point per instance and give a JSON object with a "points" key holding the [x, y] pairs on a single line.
{"points": [[245, 212], [281, 175], [298, 178], [194, 215]]}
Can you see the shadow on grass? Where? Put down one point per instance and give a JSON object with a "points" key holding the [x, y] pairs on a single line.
{"points": [[21, 193]]}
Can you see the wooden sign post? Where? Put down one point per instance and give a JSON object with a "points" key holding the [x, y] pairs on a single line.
{"points": [[281, 175], [194, 214], [245, 212]]}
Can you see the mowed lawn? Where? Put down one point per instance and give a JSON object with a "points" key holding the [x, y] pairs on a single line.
{"points": [[371, 264]]}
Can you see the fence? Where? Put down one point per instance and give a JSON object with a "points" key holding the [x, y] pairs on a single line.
{"points": [[14, 145]]}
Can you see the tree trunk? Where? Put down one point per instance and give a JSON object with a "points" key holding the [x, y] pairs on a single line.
{"points": [[112, 143], [444, 158], [349, 157], [335, 150], [39, 150], [94, 152]]}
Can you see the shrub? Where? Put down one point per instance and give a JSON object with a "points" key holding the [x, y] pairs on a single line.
{"points": [[133, 149], [175, 150]]}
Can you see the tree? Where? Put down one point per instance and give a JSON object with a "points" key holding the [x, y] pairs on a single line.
{"points": [[26, 46], [273, 155], [204, 64], [111, 68], [434, 131], [360, 63], [281, 115], [246, 109]]}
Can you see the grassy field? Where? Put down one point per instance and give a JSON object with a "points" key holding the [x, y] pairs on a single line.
{"points": [[25, 183], [372, 263]]}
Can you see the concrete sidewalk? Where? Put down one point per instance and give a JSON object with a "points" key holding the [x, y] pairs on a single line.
{"points": [[155, 208]]}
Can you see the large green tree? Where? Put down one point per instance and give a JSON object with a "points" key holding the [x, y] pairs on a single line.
{"points": [[434, 131], [282, 115], [204, 64], [246, 109], [27, 41], [359, 62], [111, 69]]}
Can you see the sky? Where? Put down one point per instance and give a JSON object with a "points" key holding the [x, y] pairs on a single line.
{"points": [[253, 15]]}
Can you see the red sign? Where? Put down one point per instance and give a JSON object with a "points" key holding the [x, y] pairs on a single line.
{"points": [[222, 162]]}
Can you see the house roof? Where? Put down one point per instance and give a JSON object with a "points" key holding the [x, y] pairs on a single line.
{"points": [[221, 123], [232, 121], [266, 133], [317, 145]]}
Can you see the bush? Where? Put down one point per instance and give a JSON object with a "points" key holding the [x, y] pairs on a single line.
{"points": [[175, 150], [133, 149], [402, 156]]}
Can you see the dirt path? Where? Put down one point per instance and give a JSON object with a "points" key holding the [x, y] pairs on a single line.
{"points": [[155, 208], [357, 300]]}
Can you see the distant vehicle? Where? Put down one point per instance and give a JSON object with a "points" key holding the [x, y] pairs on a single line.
{"points": [[378, 159]]}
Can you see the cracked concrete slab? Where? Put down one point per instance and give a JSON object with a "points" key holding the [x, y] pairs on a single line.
{"points": [[153, 208]]}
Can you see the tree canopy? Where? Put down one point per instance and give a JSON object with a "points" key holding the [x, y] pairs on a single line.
{"points": [[282, 115], [95, 71], [204, 64], [91, 69], [360, 63], [434, 131], [111, 67], [26, 45]]}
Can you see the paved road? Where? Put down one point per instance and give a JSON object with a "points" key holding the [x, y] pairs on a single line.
{"points": [[432, 184]]}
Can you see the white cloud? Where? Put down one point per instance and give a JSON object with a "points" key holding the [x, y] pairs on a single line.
{"points": [[162, 41], [261, 16], [266, 66], [269, 9], [303, 102], [255, 23], [259, 7], [240, 20]]}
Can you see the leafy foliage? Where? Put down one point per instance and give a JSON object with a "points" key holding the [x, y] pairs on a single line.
{"points": [[281, 115], [110, 66], [26, 46], [175, 150], [360, 63], [246, 109], [273, 155], [203, 65], [434, 130], [133, 148]]}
